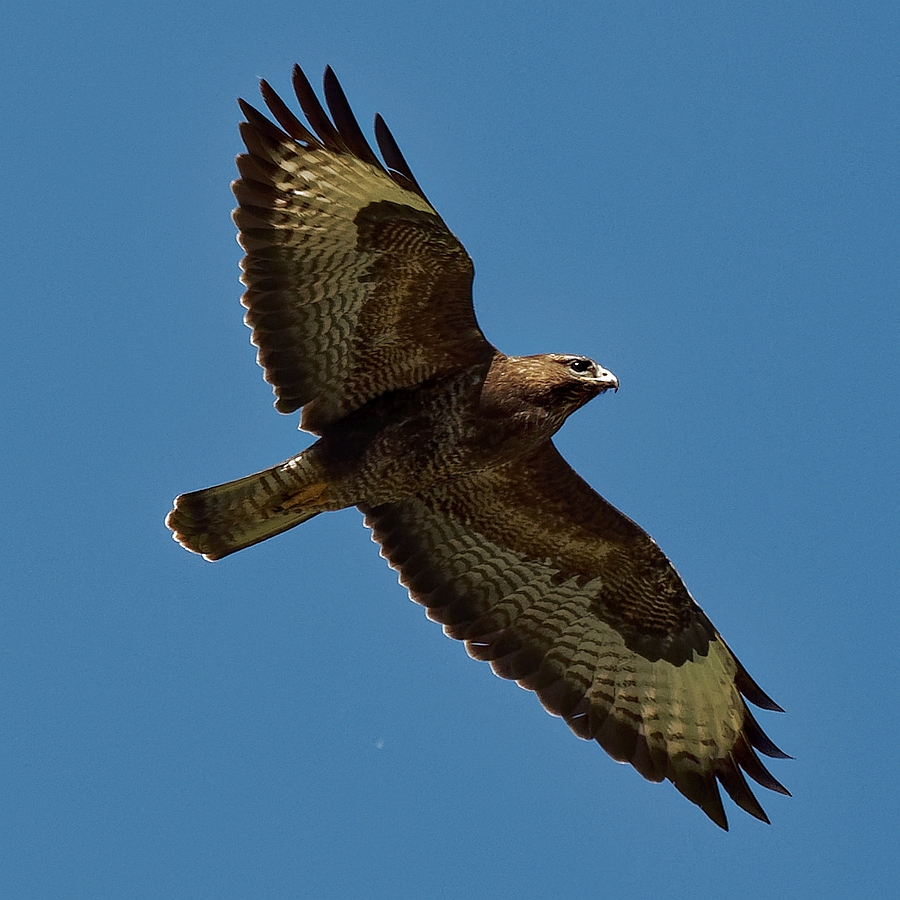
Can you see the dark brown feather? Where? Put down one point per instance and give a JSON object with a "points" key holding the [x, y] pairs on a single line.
{"points": [[345, 121], [315, 113], [348, 297], [395, 159], [513, 560], [735, 784], [285, 118]]}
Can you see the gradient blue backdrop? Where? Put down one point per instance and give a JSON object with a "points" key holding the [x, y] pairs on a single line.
{"points": [[702, 196]]}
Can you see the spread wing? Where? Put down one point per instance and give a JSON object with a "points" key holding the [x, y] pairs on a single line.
{"points": [[561, 592], [355, 286]]}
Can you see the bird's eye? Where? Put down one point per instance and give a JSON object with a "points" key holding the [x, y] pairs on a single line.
{"points": [[580, 365]]}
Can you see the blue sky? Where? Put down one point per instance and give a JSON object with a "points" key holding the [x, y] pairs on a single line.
{"points": [[705, 200]]}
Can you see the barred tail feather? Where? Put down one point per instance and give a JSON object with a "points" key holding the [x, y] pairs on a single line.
{"points": [[220, 520]]}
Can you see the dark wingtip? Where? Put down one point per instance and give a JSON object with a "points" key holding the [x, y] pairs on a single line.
{"points": [[703, 789], [753, 692], [338, 132], [260, 124], [285, 118], [397, 165], [315, 112], [747, 759], [732, 779], [760, 740], [345, 121], [248, 109]]}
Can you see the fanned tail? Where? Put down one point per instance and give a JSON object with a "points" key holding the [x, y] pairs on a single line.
{"points": [[226, 518]]}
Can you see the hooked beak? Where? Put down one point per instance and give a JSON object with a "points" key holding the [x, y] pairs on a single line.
{"points": [[604, 379]]}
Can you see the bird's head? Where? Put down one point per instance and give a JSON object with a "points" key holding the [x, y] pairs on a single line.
{"points": [[571, 381], [583, 374], [545, 389]]}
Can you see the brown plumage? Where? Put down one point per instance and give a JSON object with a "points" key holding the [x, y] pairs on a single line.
{"points": [[359, 298]]}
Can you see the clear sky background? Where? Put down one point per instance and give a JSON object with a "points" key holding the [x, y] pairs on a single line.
{"points": [[702, 196]]}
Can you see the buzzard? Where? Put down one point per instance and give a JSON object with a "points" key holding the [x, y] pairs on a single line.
{"points": [[360, 302]]}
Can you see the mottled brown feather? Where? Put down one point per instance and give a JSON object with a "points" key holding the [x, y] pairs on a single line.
{"points": [[355, 286], [562, 593]]}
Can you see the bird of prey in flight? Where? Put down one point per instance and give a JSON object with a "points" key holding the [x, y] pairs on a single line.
{"points": [[360, 303]]}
